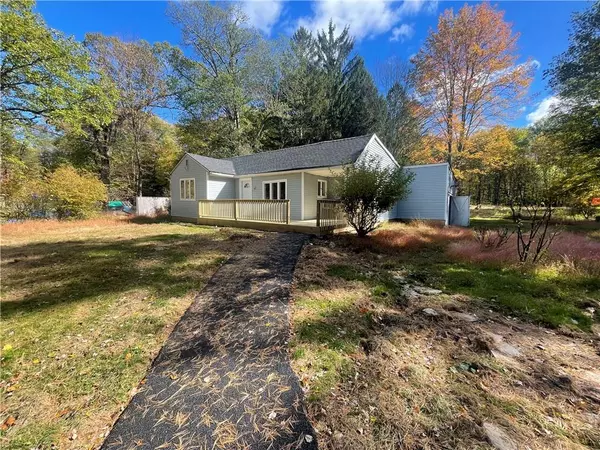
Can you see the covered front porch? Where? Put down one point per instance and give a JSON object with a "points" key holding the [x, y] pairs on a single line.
{"points": [[270, 215]]}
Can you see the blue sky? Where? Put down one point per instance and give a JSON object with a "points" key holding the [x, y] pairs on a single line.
{"points": [[383, 29]]}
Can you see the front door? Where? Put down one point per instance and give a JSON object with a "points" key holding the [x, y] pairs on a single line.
{"points": [[246, 185]]}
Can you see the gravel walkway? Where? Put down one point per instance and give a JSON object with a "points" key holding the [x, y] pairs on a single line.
{"points": [[223, 378]]}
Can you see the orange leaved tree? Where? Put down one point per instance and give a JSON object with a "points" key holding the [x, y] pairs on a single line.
{"points": [[467, 74]]}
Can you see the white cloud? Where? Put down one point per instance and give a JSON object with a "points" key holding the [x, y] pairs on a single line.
{"points": [[412, 7], [543, 109], [402, 33], [263, 14], [366, 18]]}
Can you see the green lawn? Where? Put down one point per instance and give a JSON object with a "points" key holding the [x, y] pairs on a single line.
{"points": [[85, 308], [380, 373]]}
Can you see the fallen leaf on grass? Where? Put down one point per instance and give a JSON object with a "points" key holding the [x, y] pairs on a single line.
{"points": [[8, 422]]}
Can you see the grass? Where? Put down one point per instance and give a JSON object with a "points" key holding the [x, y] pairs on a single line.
{"points": [[85, 307], [381, 374], [490, 216], [555, 293]]}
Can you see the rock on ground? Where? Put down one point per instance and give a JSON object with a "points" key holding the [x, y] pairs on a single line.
{"points": [[498, 437]]}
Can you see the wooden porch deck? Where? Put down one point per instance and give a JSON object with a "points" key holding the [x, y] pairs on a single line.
{"points": [[270, 215], [295, 226]]}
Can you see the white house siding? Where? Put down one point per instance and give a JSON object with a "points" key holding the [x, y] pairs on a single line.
{"points": [[221, 188], [294, 190], [428, 198], [375, 151], [310, 194], [187, 208]]}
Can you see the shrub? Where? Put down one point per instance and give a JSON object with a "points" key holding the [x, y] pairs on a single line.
{"points": [[25, 198], [366, 190], [76, 194], [492, 238]]}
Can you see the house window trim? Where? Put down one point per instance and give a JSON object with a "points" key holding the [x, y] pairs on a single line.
{"points": [[273, 182], [181, 192], [325, 190]]}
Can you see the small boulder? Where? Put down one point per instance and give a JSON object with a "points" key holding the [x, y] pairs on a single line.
{"points": [[507, 349], [424, 290], [410, 294], [498, 437], [463, 316], [430, 312], [502, 348]]}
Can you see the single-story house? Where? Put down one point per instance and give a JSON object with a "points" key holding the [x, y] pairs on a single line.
{"points": [[297, 177]]}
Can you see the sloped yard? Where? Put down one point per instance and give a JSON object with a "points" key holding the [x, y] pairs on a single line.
{"points": [[415, 338], [85, 308]]}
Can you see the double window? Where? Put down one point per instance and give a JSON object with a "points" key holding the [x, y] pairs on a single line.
{"points": [[275, 190], [321, 189], [187, 189]]}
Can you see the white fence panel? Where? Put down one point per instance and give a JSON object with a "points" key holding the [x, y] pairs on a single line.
{"points": [[151, 206]]}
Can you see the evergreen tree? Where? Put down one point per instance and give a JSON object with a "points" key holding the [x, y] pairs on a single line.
{"points": [[333, 57], [362, 108], [303, 91]]}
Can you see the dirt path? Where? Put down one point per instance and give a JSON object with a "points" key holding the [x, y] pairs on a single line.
{"points": [[223, 379]]}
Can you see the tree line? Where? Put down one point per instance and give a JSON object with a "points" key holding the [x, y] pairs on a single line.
{"points": [[95, 106]]}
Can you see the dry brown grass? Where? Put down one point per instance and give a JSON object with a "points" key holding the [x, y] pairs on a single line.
{"points": [[572, 246], [380, 374], [28, 227], [85, 307]]}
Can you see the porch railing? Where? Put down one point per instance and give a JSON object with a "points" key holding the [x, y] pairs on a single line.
{"points": [[275, 211], [330, 215]]}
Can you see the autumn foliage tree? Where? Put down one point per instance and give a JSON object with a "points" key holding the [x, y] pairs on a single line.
{"points": [[467, 74], [75, 194]]}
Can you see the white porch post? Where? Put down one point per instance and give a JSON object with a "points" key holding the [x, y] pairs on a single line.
{"points": [[301, 195]]}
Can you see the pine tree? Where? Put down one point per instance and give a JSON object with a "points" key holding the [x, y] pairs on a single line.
{"points": [[362, 108]]}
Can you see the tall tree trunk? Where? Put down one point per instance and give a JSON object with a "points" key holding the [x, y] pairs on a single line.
{"points": [[496, 199], [102, 138]]}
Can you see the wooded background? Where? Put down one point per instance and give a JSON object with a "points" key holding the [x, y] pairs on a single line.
{"points": [[92, 109]]}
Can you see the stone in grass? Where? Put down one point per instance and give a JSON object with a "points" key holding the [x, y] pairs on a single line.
{"points": [[399, 278], [498, 437], [463, 316], [424, 290], [500, 347], [430, 312], [506, 349], [410, 294]]}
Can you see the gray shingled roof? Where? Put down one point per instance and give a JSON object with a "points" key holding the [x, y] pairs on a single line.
{"points": [[320, 154], [215, 164]]}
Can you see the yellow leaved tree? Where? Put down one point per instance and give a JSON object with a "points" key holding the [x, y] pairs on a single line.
{"points": [[76, 194], [468, 74]]}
